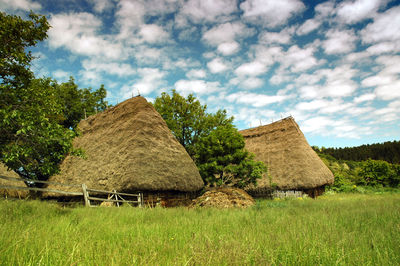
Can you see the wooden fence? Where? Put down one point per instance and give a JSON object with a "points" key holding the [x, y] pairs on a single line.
{"points": [[82, 190]]}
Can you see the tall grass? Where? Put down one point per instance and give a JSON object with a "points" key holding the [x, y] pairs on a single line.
{"points": [[337, 229]]}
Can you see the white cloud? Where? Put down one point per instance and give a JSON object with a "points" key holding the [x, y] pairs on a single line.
{"points": [[308, 26], [25, 5], [151, 80], [298, 59], [200, 11], [101, 5], [130, 15], [282, 37], [356, 11], [365, 98], [111, 68], [254, 68], [196, 73], [386, 27], [388, 91], [339, 41], [270, 13], [255, 99], [228, 48], [327, 126], [227, 33], [338, 82], [252, 83], [216, 65], [61, 75], [196, 86], [78, 32], [153, 33]]}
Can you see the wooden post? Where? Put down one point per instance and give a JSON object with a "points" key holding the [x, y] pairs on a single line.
{"points": [[116, 197], [140, 199], [85, 195]]}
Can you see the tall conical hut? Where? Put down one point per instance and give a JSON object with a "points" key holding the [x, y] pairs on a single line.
{"points": [[292, 163], [8, 180], [129, 148]]}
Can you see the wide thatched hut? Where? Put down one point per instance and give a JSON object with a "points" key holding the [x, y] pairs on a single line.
{"points": [[292, 163], [129, 148], [7, 178]]}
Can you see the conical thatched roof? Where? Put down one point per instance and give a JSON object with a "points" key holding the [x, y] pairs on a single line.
{"points": [[129, 148], [292, 163], [10, 182]]}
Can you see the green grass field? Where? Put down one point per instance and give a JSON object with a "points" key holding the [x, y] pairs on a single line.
{"points": [[340, 229]]}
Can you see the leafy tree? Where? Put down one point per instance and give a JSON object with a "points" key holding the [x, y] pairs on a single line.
{"points": [[222, 159], [211, 140], [77, 103], [379, 173], [32, 143], [16, 35], [188, 119]]}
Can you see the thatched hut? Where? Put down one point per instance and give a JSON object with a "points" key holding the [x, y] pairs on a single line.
{"points": [[292, 163], [7, 178], [129, 148]]}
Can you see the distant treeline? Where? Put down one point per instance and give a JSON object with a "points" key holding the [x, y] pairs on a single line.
{"points": [[388, 151]]}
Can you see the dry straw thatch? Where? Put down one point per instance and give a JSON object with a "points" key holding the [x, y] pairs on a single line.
{"points": [[129, 148], [292, 163], [228, 197], [7, 192]]}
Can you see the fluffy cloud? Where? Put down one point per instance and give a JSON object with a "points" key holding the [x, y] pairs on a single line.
{"points": [[339, 41], [216, 65], [255, 99], [151, 80], [196, 86], [101, 6], [25, 5], [105, 67], [228, 48], [283, 37], [308, 26], [386, 27], [196, 73], [78, 32], [152, 33], [254, 68], [227, 33], [199, 11], [355, 11], [365, 98], [270, 13]]}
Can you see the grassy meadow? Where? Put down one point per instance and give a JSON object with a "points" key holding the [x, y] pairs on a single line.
{"points": [[354, 229]]}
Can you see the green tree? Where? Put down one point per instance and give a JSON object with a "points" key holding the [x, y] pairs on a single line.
{"points": [[16, 35], [188, 119], [211, 140], [32, 143], [223, 160], [77, 103], [377, 173]]}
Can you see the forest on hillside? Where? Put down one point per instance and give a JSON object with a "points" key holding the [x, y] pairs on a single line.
{"points": [[388, 151]]}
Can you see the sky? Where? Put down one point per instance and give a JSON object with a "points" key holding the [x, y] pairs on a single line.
{"points": [[332, 65]]}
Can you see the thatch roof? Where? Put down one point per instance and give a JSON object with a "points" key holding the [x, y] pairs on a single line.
{"points": [[129, 148], [292, 163], [10, 182]]}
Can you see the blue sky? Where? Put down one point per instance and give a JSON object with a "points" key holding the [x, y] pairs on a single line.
{"points": [[333, 65]]}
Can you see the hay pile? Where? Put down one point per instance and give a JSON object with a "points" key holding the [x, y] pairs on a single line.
{"points": [[129, 148], [224, 198], [6, 192], [292, 163]]}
